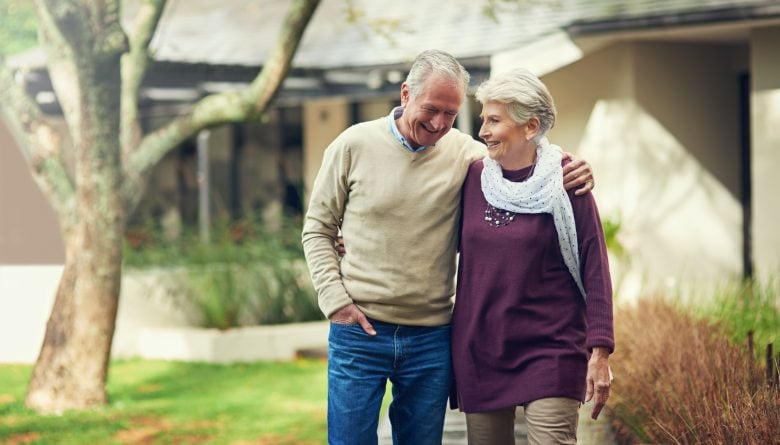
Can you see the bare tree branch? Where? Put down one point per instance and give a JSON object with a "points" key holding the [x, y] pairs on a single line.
{"points": [[134, 66], [40, 144], [224, 107], [77, 38], [270, 79], [61, 69]]}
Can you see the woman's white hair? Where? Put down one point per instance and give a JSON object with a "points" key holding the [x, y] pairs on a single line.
{"points": [[439, 62], [524, 95]]}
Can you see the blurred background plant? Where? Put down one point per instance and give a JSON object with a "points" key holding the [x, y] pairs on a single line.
{"points": [[619, 257], [249, 273], [685, 375], [748, 309], [611, 226], [18, 26]]}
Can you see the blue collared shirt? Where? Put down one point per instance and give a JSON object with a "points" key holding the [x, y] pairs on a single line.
{"points": [[395, 114]]}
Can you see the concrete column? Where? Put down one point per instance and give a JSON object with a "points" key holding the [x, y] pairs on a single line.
{"points": [[765, 146], [204, 212]]}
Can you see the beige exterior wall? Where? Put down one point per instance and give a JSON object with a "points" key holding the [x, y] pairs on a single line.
{"points": [[29, 232], [323, 120], [577, 89], [765, 136], [650, 119], [376, 108], [692, 90]]}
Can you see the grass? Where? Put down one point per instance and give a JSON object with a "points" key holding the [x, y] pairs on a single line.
{"points": [[748, 308], [172, 402], [681, 379]]}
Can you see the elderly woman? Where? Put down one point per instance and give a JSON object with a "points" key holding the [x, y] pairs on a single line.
{"points": [[532, 324]]}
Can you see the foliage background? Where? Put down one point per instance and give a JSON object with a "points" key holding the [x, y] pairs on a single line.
{"points": [[247, 274], [17, 26]]}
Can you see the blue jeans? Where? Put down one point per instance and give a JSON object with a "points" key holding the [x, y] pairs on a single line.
{"points": [[415, 359]]}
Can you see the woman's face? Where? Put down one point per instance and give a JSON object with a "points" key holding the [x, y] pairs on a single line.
{"points": [[507, 141]]}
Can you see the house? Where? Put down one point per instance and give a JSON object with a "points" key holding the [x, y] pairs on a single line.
{"points": [[676, 105]]}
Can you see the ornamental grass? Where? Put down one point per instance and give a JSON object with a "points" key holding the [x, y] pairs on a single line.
{"points": [[681, 380]]}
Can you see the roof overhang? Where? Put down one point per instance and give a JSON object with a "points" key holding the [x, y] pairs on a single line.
{"points": [[570, 44]]}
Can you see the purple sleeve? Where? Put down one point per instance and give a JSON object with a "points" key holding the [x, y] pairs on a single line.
{"points": [[594, 269]]}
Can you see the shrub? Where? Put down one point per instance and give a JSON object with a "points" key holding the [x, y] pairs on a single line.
{"points": [[748, 308], [247, 274], [233, 294], [681, 380]]}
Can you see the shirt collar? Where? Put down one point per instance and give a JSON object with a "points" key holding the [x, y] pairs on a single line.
{"points": [[395, 114]]}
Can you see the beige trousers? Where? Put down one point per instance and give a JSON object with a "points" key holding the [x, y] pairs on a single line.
{"points": [[550, 421]]}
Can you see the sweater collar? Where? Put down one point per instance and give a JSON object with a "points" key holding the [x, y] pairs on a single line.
{"points": [[395, 113]]}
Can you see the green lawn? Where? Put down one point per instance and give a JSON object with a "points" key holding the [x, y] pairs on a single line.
{"points": [[172, 403]]}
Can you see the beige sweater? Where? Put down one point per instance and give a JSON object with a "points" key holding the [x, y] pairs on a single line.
{"points": [[398, 212]]}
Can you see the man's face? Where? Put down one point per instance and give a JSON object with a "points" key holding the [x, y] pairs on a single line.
{"points": [[430, 115]]}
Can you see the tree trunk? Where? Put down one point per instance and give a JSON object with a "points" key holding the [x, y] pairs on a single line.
{"points": [[72, 366], [71, 370]]}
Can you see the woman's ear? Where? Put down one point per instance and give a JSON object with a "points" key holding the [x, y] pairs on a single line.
{"points": [[532, 128]]}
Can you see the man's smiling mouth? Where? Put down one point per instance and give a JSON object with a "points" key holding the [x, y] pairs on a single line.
{"points": [[429, 130]]}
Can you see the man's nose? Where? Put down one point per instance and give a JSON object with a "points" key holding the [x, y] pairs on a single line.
{"points": [[439, 121]]}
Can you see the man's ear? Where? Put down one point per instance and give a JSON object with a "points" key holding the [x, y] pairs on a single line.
{"points": [[404, 94]]}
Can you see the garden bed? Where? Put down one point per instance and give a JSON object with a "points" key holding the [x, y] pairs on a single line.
{"points": [[245, 344]]}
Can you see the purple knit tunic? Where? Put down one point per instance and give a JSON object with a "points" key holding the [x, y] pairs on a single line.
{"points": [[521, 330]]}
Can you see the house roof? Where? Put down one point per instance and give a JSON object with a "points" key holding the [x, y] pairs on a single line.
{"points": [[223, 45], [241, 32]]}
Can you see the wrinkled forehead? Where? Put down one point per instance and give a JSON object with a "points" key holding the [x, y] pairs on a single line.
{"points": [[441, 93], [439, 82]]}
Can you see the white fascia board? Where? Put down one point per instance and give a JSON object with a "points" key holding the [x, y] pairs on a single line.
{"points": [[547, 54]]}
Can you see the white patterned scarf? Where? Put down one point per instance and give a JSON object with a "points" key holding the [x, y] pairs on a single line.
{"points": [[543, 192]]}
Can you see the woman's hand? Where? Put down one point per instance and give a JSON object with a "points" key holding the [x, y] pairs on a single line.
{"points": [[577, 172], [599, 379]]}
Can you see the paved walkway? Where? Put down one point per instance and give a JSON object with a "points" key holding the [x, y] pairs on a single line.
{"points": [[589, 432]]}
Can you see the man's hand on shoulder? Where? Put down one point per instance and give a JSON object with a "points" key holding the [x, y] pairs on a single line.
{"points": [[577, 173]]}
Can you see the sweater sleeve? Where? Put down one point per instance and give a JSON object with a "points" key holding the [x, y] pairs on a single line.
{"points": [[594, 268], [321, 226]]}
